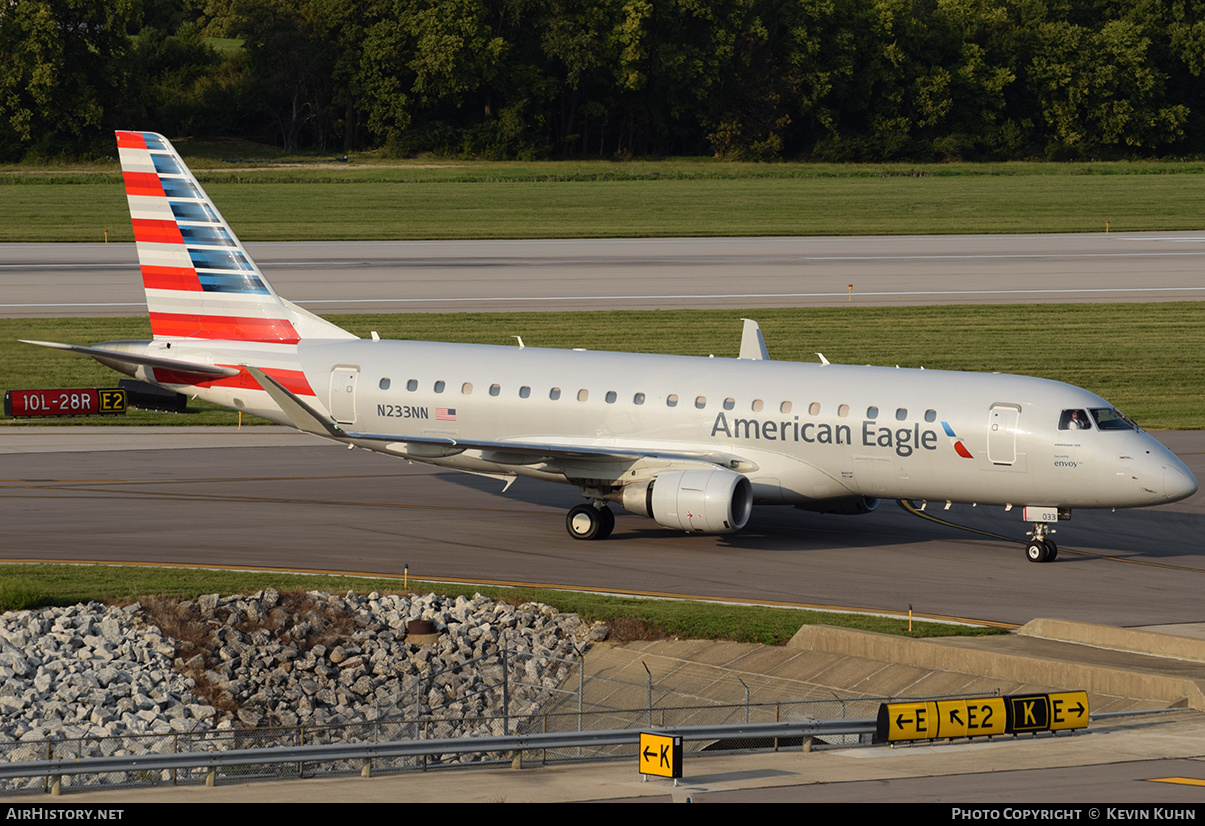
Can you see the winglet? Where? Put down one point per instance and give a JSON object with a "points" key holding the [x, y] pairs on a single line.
{"points": [[299, 413], [753, 346]]}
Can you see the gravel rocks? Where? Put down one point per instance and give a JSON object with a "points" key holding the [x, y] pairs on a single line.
{"points": [[88, 670], [272, 659]]}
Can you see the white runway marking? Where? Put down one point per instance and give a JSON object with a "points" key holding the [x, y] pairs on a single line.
{"points": [[669, 297]]}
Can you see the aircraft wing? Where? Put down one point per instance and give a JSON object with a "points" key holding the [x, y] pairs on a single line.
{"points": [[307, 420]]}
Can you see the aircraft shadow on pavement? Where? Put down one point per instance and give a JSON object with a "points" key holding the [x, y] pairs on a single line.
{"points": [[1152, 534]]}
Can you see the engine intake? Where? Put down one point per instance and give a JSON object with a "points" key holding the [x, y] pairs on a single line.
{"points": [[695, 501]]}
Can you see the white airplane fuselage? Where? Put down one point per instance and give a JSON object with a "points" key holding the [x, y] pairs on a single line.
{"points": [[805, 432]]}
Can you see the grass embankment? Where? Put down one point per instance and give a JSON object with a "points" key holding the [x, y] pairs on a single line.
{"points": [[1148, 359], [371, 200], [27, 586]]}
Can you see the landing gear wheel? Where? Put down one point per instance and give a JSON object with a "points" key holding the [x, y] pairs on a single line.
{"points": [[1041, 547], [589, 522], [1038, 550], [608, 522]]}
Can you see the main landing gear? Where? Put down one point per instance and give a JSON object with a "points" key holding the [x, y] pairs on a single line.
{"points": [[593, 521], [1040, 548]]}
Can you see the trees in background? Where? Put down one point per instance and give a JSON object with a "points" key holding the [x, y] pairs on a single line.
{"points": [[64, 64], [751, 79]]}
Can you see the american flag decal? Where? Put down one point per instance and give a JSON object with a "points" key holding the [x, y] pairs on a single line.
{"points": [[445, 414]]}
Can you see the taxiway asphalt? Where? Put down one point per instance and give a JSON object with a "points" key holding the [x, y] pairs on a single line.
{"points": [[271, 498]]}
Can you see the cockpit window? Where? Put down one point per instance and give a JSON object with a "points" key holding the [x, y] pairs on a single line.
{"points": [[1109, 419], [1074, 420]]}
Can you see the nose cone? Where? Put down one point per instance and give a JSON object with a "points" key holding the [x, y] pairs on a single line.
{"points": [[1178, 482], [1160, 474]]}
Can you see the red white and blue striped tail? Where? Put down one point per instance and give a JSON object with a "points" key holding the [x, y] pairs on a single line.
{"points": [[199, 280]]}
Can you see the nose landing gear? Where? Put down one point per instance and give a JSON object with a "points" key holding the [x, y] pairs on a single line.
{"points": [[1040, 548]]}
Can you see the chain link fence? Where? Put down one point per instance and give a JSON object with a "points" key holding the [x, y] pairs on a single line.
{"points": [[425, 710]]}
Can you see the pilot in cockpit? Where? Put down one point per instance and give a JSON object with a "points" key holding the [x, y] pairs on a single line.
{"points": [[1074, 420]]}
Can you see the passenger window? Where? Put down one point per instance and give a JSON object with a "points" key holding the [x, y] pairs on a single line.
{"points": [[901, 414], [1074, 420], [610, 397], [700, 402], [384, 384], [872, 412], [583, 394], [466, 388], [554, 393], [671, 400], [524, 392], [785, 407], [638, 398], [814, 409], [842, 410], [439, 386], [758, 404], [412, 385], [930, 415], [495, 389], [729, 403]]}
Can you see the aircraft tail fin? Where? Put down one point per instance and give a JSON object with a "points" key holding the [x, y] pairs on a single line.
{"points": [[199, 280]]}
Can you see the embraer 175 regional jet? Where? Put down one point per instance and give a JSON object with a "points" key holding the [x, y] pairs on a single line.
{"points": [[692, 443]]}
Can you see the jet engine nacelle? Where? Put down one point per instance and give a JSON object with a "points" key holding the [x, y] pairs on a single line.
{"points": [[696, 501], [849, 506]]}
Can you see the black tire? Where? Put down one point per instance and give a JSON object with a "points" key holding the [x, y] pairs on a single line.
{"points": [[1036, 551], [584, 522], [1052, 551], [608, 522]]}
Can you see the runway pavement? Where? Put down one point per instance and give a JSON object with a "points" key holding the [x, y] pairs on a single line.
{"points": [[648, 273]]}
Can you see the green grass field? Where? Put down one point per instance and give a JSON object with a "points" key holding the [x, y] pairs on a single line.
{"points": [[1148, 359], [694, 197], [25, 586]]}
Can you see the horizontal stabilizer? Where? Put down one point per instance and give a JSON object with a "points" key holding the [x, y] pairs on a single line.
{"points": [[105, 356]]}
